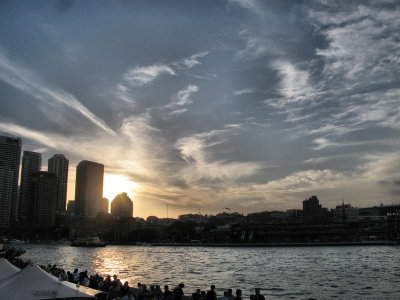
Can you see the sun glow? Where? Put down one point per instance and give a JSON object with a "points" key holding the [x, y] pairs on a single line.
{"points": [[115, 184]]}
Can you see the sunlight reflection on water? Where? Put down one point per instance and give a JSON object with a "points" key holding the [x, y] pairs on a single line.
{"points": [[282, 273]]}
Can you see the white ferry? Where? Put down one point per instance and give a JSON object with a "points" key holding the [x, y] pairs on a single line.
{"points": [[93, 241]]}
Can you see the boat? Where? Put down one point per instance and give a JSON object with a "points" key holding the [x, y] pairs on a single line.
{"points": [[92, 241]]}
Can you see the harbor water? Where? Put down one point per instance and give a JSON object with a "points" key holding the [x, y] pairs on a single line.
{"points": [[352, 272]]}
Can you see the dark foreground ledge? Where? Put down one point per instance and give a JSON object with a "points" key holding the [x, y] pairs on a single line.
{"points": [[319, 244]]}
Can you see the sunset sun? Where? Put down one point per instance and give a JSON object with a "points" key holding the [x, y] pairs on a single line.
{"points": [[115, 184]]}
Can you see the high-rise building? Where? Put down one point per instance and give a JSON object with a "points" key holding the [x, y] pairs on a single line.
{"points": [[311, 204], [71, 207], [58, 165], [43, 188], [88, 188], [10, 154], [6, 187], [122, 206], [31, 162], [104, 204]]}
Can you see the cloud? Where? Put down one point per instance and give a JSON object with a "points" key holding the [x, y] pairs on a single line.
{"points": [[251, 5], [123, 93], [183, 96], [307, 180], [190, 62], [139, 76], [28, 83], [294, 85], [196, 150], [177, 106], [243, 91]]}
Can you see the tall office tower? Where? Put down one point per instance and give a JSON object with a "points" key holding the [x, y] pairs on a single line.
{"points": [[31, 162], [43, 188], [58, 165], [88, 188], [104, 205], [122, 206], [6, 188], [10, 154]]}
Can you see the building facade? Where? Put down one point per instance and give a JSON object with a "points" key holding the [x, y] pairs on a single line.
{"points": [[31, 163], [122, 206], [345, 213], [6, 188], [44, 199], [104, 204], [88, 188], [10, 154], [58, 165]]}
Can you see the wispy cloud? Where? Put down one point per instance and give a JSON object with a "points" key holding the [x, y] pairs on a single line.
{"points": [[251, 5], [244, 91], [25, 81], [295, 83], [190, 62], [142, 75], [307, 180], [196, 150], [183, 96]]}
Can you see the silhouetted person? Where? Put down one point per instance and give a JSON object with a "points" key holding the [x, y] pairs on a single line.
{"points": [[178, 292], [238, 294], [196, 295], [158, 292], [258, 296], [225, 297], [211, 295], [203, 295], [125, 288], [70, 277], [167, 295], [229, 295]]}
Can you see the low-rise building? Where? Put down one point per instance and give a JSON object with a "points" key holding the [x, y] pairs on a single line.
{"points": [[345, 213]]}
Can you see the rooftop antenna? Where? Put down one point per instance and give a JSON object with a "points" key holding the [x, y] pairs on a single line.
{"points": [[167, 210]]}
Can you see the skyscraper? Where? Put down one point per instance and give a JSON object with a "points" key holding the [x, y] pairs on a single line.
{"points": [[6, 188], [31, 162], [58, 165], [10, 153], [43, 189], [103, 208], [88, 188], [122, 206]]}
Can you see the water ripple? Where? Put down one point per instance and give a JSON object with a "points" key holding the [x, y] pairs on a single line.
{"points": [[294, 273]]}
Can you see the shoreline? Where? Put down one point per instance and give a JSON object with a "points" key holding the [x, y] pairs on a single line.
{"points": [[234, 245], [269, 245]]}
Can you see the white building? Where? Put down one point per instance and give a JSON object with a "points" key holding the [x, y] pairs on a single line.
{"points": [[345, 213]]}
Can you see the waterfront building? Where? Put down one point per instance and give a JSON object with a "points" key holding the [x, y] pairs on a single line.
{"points": [[58, 165], [311, 204], [88, 188], [153, 220], [122, 206], [196, 218], [10, 153], [31, 162], [345, 213], [313, 212], [44, 199]]}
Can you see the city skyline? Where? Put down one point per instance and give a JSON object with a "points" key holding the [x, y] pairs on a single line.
{"points": [[246, 104]]}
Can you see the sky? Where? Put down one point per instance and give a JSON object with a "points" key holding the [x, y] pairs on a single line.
{"points": [[195, 106]]}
